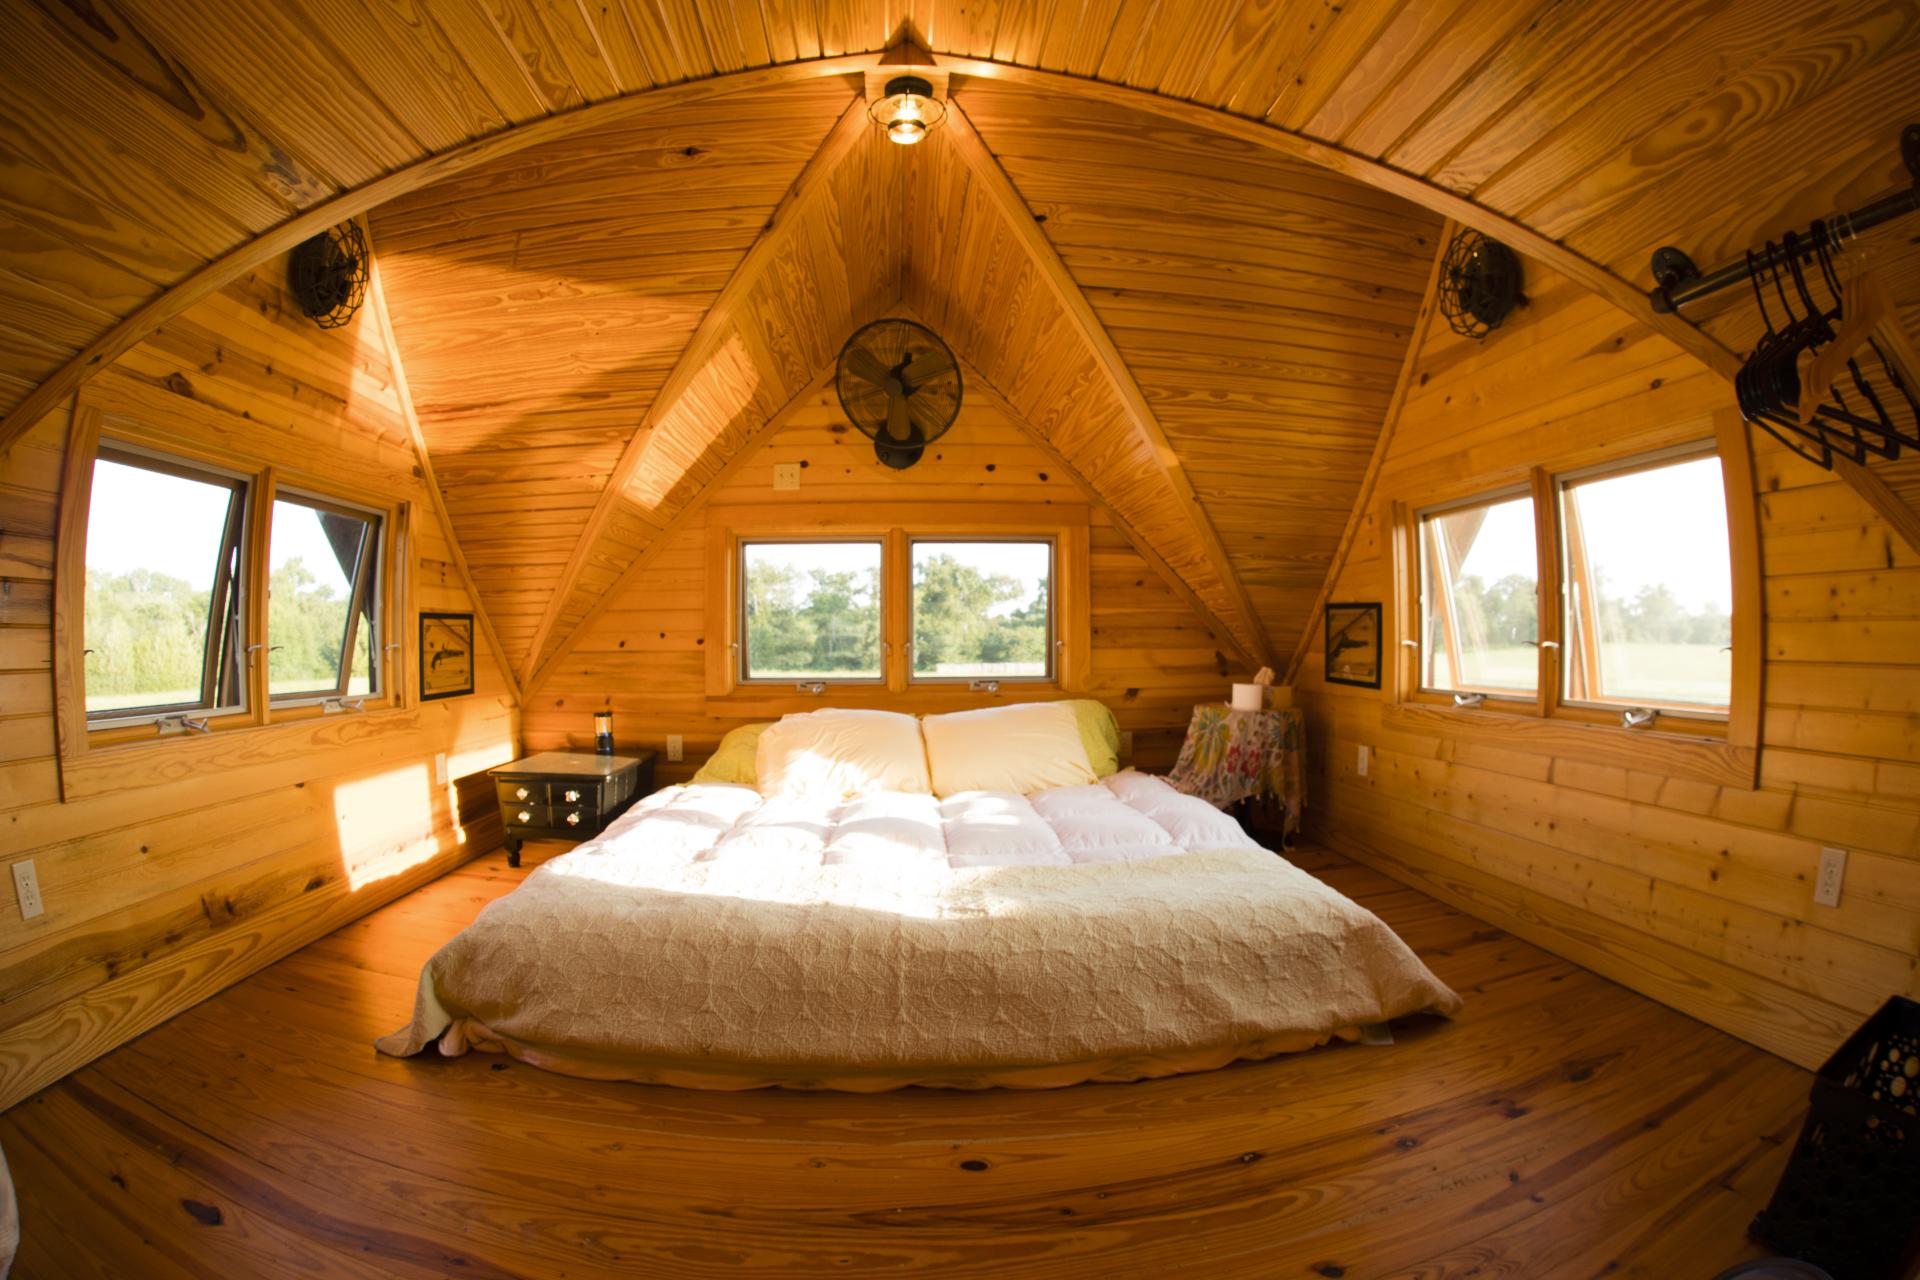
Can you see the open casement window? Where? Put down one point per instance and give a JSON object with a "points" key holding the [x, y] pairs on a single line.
{"points": [[164, 616], [810, 611], [1647, 586], [982, 609], [323, 599], [1479, 598]]}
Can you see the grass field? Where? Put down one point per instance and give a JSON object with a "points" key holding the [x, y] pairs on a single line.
{"points": [[1689, 673]]}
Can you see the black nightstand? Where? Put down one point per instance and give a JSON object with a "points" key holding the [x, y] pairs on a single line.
{"points": [[566, 795]]}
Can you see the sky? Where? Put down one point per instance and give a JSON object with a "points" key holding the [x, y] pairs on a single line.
{"points": [[1025, 562], [140, 519], [1668, 525]]}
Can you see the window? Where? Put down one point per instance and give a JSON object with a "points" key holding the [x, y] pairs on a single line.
{"points": [[1479, 598], [982, 609], [322, 599], [811, 610], [1648, 586], [164, 566]]}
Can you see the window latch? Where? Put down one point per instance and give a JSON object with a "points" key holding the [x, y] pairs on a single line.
{"points": [[812, 686], [1468, 699], [984, 686], [1544, 644], [1637, 717], [1410, 644], [270, 648]]}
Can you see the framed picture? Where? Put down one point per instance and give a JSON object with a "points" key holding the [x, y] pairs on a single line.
{"points": [[446, 655], [1353, 644]]}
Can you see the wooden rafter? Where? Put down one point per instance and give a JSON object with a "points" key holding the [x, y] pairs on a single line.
{"points": [[377, 304], [813, 178], [1050, 267], [1429, 303]]}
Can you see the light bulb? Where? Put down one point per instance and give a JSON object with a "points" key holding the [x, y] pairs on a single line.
{"points": [[906, 132]]}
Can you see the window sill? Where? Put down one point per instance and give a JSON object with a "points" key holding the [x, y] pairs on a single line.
{"points": [[1677, 755], [103, 767]]}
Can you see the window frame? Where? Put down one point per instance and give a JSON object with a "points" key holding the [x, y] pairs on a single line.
{"points": [[229, 605], [368, 579], [1708, 745], [1068, 524], [1052, 640], [742, 658], [1421, 517], [98, 757]]}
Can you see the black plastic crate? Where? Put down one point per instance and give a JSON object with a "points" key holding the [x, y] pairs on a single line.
{"points": [[1850, 1198]]}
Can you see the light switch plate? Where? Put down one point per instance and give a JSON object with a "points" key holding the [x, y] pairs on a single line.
{"points": [[786, 475], [1366, 758], [1833, 871], [440, 769], [26, 887], [676, 747]]}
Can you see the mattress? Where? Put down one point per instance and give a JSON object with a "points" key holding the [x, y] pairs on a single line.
{"points": [[715, 939]]}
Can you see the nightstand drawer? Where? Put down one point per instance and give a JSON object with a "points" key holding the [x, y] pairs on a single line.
{"points": [[520, 793], [524, 815], [575, 817], [573, 795]]}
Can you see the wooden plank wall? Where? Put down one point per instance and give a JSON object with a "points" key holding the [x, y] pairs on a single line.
{"points": [[645, 656], [1699, 896], [158, 895]]}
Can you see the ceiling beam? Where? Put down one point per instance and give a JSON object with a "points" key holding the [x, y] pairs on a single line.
{"points": [[1052, 268], [664, 536], [1429, 303], [217, 273], [841, 139], [377, 304]]}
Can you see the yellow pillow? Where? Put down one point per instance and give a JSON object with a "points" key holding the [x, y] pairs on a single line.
{"points": [[836, 752], [733, 761], [1024, 748], [1099, 734]]}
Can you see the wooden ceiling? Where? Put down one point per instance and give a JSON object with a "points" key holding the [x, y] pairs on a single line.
{"points": [[212, 135]]}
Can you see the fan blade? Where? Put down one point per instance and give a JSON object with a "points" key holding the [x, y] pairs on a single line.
{"points": [[862, 363], [898, 424], [926, 416], [925, 367]]}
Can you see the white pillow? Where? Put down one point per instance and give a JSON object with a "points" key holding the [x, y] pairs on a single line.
{"points": [[835, 753], [1024, 748]]}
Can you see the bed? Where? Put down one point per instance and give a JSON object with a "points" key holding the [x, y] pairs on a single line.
{"points": [[717, 936]]}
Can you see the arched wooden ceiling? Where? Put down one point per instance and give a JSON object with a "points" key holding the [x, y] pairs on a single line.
{"points": [[213, 135]]}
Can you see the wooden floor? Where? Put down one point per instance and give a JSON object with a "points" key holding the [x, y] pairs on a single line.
{"points": [[1561, 1127]]}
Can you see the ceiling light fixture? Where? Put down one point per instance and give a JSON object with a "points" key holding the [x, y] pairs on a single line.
{"points": [[908, 111]]}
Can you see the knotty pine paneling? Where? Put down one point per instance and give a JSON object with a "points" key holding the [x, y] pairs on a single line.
{"points": [[159, 895], [1700, 896], [645, 655]]}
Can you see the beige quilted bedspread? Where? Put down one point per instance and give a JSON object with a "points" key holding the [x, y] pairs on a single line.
{"points": [[1115, 931]]}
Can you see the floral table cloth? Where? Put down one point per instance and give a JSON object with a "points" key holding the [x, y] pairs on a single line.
{"points": [[1231, 756]]}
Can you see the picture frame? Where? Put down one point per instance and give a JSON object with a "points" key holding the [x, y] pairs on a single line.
{"points": [[446, 655], [1352, 644]]}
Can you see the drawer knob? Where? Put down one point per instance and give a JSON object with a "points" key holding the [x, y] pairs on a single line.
{"points": [[520, 794], [573, 819], [526, 815], [573, 797]]}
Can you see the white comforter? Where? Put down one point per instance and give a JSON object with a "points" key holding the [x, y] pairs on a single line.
{"points": [[1114, 931]]}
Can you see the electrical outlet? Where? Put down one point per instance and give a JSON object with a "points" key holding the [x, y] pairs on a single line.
{"points": [[786, 476], [1833, 871], [26, 887], [676, 748], [440, 769], [1366, 757]]}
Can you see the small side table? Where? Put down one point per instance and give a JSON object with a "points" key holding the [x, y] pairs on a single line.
{"points": [[1233, 756], [566, 795]]}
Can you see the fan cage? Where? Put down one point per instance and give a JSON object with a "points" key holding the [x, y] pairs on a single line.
{"points": [[894, 338], [1480, 280], [328, 275]]}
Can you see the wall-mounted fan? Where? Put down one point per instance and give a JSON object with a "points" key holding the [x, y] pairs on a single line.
{"points": [[901, 386], [1479, 284], [328, 274]]}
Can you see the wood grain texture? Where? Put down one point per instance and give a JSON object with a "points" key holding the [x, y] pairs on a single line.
{"points": [[181, 871], [1691, 888], [1561, 1127]]}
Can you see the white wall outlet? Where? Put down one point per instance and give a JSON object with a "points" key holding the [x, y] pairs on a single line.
{"points": [[1833, 871], [786, 475], [676, 747], [26, 887], [1366, 758], [440, 769]]}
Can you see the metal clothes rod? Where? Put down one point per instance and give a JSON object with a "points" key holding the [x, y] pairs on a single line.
{"points": [[1679, 282]]}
